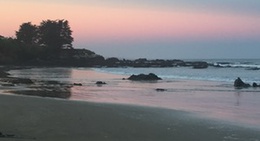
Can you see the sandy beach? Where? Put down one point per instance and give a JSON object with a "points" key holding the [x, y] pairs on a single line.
{"points": [[46, 119]]}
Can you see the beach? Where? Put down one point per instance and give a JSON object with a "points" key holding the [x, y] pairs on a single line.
{"points": [[46, 119], [126, 110]]}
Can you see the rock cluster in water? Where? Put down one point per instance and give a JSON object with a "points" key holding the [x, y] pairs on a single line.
{"points": [[100, 83], [239, 83], [144, 77]]}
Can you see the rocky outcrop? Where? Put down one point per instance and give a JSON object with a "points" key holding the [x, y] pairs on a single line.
{"points": [[255, 85], [2, 135], [100, 83], [77, 84], [160, 90], [144, 77], [240, 84], [200, 65]]}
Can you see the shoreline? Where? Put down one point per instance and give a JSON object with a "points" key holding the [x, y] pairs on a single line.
{"points": [[199, 97], [47, 119]]}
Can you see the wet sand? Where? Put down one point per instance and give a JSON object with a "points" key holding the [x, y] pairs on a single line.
{"points": [[46, 119]]}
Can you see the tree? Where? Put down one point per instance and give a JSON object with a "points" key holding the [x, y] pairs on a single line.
{"points": [[27, 33], [55, 34]]}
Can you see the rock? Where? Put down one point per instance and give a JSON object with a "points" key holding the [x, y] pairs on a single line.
{"points": [[200, 65], [144, 77], [100, 83], [255, 68], [6, 135], [77, 84], [255, 85], [160, 90], [240, 84]]}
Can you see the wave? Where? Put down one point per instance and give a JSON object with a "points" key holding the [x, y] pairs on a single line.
{"points": [[250, 65]]}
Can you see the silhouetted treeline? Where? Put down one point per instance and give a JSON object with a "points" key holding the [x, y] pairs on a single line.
{"points": [[35, 45], [15, 52], [50, 44]]}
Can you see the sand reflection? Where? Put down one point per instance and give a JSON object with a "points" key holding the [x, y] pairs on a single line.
{"points": [[238, 97]]}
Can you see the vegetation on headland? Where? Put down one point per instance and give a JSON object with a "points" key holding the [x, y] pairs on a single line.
{"points": [[50, 44]]}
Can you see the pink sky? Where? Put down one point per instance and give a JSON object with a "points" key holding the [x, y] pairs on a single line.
{"points": [[94, 23], [115, 23]]}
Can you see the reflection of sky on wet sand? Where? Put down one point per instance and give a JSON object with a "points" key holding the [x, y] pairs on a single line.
{"points": [[208, 98], [220, 101]]}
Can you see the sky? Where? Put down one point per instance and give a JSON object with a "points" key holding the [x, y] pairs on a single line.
{"points": [[162, 29]]}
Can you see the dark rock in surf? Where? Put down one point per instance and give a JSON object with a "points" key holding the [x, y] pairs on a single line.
{"points": [[240, 84], [6, 135], [144, 77], [100, 83], [160, 90], [77, 84], [255, 68], [200, 65], [255, 85]]}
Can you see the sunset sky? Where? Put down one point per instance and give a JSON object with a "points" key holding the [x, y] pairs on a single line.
{"points": [[172, 29]]}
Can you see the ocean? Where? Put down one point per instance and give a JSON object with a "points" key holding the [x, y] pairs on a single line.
{"points": [[224, 70], [206, 92]]}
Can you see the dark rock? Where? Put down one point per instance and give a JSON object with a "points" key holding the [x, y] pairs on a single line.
{"points": [[112, 62], [144, 77], [1, 133], [160, 90], [100, 83], [255, 68], [255, 85], [200, 65], [77, 84], [240, 84], [6, 135]]}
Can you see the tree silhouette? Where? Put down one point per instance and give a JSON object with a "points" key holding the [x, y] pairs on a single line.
{"points": [[55, 34], [27, 33]]}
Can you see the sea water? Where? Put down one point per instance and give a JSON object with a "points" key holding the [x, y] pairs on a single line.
{"points": [[223, 71], [208, 92]]}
